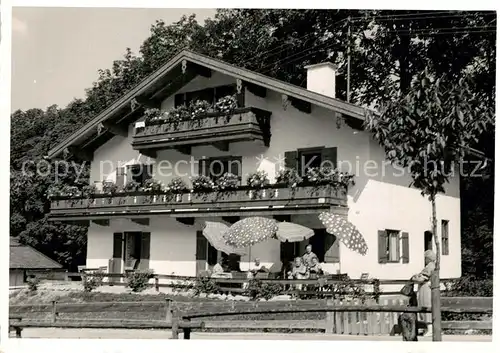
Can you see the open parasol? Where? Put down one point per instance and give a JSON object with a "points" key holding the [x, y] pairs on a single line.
{"points": [[214, 231], [250, 231], [345, 231], [293, 232]]}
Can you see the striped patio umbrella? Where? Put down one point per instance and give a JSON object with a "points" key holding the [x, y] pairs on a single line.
{"points": [[250, 231], [214, 231], [345, 231], [292, 232]]}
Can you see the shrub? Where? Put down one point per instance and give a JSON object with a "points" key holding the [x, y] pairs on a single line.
{"points": [[258, 180], [202, 183], [33, 283], [139, 280], [204, 285], [92, 281], [263, 290], [288, 177]]}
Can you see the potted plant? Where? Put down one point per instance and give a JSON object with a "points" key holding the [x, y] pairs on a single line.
{"points": [[202, 183], [151, 115], [226, 105], [131, 186], [228, 181], [177, 186], [199, 107], [257, 180]]}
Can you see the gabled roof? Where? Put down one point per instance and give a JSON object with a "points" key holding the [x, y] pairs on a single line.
{"points": [[25, 257], [127, 104]]}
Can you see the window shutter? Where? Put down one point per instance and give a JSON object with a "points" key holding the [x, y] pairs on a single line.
{"points": [[332, 249], [291, 159], [406, 247], [235, 166], [179, 100], [147, 172], [117, 245], [201, 246], [329, 154], [146, 245], [203, 166], [382, 247], [120, 176]]}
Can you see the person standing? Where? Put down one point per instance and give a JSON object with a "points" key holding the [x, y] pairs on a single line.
{"points": [[307, 258], [424, 298]]}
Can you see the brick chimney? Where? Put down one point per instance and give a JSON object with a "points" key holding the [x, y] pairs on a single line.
{"points": [[321, 78]]}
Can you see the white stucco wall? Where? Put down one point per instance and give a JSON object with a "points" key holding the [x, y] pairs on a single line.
{"points": [[379, 200]]}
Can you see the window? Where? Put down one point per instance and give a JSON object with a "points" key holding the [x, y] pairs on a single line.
{"points": [[303, 159], [139, 173], [445, 237], [218, 166], [210, 95], [309, 159], [392, 246]]}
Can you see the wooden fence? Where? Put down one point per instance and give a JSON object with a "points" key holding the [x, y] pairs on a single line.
{"points": [[236, 285], [340, 317]]}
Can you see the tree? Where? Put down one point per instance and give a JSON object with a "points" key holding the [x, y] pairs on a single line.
{"points": [[428, 130]]}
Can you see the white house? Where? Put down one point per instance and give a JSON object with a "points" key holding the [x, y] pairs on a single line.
{"points": [[276, 124]]}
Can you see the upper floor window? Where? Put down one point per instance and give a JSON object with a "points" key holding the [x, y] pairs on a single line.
{"points": [[218, 166], [303, 159], [210, 95]]}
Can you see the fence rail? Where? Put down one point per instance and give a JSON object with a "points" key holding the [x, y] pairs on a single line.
{"points": [[235, 285], [341, 317]]}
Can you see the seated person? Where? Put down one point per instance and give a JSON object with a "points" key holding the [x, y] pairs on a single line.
{"points": [[219, 269], [315, 267], [299, 270], [256, 268]]}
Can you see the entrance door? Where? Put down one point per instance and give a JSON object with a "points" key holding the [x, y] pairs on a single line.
{"points": [[115, 263]]}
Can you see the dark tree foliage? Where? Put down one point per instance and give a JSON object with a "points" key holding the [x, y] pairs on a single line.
{"points": [[387, 49]]}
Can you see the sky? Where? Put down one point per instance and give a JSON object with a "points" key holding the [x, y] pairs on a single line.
{"points": [[56, 52]]}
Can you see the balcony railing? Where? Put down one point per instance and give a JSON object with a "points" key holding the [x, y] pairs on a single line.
{"points": [[242, 124], [241, 202]]}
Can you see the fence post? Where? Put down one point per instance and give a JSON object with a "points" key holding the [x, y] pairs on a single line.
{"points": [[329, 321], [168, 308], [157, 283], [187, 329], [54, 311], [175, 328]]}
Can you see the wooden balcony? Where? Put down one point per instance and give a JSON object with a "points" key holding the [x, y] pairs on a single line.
{"points": [[243, 124], [242, 202]]}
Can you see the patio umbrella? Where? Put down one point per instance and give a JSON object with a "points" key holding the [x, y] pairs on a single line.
{"points": [[293, 232], [250, 231], [213, 231], [345, 231]]}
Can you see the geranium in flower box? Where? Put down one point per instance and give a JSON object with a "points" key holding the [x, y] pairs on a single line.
{"points": [[226, 104], [202, 183], [288, 177], [228, 181]]}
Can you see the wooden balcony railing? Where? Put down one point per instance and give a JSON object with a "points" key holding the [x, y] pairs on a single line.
{"points": [[241, 202], [242, 124]]}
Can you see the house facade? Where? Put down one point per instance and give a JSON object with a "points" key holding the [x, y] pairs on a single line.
{"points": [[274, 126]]}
